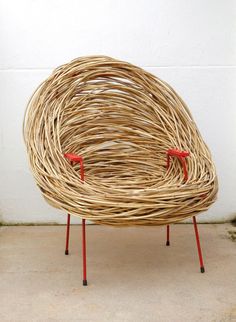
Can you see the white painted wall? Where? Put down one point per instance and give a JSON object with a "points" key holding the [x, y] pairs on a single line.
{"points": [[189, 43]]}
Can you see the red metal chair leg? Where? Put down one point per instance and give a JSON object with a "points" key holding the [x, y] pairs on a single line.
{"points": [[168, 235], [67, 235], [84, 253], [73, 158], [202, 269]]}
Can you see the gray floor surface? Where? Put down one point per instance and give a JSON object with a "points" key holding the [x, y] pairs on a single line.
{"points": [[132, 275]]}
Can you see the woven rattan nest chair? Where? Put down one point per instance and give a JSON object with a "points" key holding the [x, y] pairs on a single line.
{"points": [[112, 143]]}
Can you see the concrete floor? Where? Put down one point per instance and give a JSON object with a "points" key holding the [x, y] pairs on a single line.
{"points": [[132, 275]]}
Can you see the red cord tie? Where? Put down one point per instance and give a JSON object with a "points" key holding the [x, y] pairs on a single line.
{"points": [[76, 159], [181, 155]]}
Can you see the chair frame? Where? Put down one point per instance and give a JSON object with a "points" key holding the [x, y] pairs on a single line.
{"points": [[181, 155]]}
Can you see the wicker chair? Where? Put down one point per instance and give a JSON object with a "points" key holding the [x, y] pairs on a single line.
{"points": [[141, 156]]}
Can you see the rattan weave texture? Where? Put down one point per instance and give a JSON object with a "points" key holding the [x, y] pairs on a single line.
{"points": [[122, 120]]}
